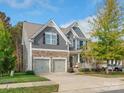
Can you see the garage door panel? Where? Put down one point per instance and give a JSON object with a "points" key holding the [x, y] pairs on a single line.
{"points": [[41, 66], [58, 65]]}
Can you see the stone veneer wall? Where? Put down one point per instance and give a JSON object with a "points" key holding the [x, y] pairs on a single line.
{"points": [[37, 53]]}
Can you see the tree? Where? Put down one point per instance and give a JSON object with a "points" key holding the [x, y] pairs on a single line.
{"points": [[108, 33], [16, 33], [5, 20], [87, 54], [7, 57]]}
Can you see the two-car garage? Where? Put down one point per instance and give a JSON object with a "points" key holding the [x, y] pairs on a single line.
{"points": [[46, 65]]}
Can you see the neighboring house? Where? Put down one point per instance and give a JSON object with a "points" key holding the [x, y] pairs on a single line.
{"points": [[49, 48]]}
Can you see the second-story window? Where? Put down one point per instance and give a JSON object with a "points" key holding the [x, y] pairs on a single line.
{"points": [[81, 43], [78, 44], [50, 38]]}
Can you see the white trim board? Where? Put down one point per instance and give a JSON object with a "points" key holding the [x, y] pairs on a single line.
{"points": [[59, 58], [49, 58], [41, 57], [74, 33], [55, 50]]}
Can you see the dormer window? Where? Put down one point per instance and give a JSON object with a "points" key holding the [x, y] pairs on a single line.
{"points": [[51, 38]]}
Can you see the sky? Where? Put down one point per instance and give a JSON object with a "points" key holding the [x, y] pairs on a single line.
{"points": [[40, 11], [63, 12]]}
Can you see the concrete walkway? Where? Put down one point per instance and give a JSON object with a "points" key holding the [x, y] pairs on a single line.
{"points": [[71, 83], [27, 84]]}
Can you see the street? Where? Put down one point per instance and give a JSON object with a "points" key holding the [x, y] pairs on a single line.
{"points": [[115, 91]]}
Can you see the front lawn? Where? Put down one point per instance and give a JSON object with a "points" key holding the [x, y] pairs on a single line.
{"points": [[20, 78], [103, 74], [40, 89]]}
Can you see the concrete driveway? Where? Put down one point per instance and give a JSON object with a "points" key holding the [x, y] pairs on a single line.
{"points": [[71, 83]]}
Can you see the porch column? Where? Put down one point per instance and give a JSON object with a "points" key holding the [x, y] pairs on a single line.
{"points": [[75, 44], [78, 57]]}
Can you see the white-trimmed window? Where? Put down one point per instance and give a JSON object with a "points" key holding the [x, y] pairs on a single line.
{"points": [[50, 38], [78, 44]]}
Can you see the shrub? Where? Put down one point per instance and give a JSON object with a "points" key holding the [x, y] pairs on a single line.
{"points": [[70, 70], [84, 70], [30, 72]]}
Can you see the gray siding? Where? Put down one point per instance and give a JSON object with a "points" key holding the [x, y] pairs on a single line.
{"points": [[72, 40], [38, 41]]}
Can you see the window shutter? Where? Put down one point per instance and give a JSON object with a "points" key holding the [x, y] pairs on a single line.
{"points": [[81, 43], [43, 38], [57, 39]]}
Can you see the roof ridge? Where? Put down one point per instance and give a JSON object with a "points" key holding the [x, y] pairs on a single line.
{"points": [[32, 23]]}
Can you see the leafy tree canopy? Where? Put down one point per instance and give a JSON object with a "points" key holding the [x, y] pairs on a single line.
{"points": [[108, 32]]}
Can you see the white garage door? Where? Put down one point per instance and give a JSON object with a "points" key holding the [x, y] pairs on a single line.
{"points": [[59, 65], [41, 66]]}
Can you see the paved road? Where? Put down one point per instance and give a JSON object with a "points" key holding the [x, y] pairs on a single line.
{"points": [[116, 91], [71, 83]]}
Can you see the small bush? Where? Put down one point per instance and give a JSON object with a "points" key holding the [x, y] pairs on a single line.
{"points": [[84, 70], [81, 70], [70, 70], [91, 70], [30, 72], [94, 69]]}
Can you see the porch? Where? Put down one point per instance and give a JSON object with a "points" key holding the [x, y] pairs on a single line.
{"points": [[75, 59]]}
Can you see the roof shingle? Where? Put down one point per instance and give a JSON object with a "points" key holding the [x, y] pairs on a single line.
{"points": [[31, 28]]}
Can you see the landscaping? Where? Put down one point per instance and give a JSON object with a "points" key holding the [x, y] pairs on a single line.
{"points": [[40, 89], [103, 74], [21, 78]]}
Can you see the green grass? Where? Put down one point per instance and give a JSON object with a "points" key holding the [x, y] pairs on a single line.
{"points": [[103, 74], [20, 78], [43, 89]]}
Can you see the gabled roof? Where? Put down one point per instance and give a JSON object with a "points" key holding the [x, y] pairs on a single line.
{"points": [[76, 28], [67, 30], [33, 29], [78, 33], [74, 24], [64, 30]]}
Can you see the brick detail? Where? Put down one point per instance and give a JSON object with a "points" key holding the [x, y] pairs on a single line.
{"points": [[37, 53]]}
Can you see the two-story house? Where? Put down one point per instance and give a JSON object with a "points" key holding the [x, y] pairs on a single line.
{"points": [[50, 48]]}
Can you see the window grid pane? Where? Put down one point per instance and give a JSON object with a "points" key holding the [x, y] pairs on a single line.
{"points": [[54, 39], [51, 38], [47, 38]]}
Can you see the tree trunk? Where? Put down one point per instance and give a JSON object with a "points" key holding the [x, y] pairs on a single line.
{"points": [[112, 65], [19, 65], [12, 73], [107, 71]]}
